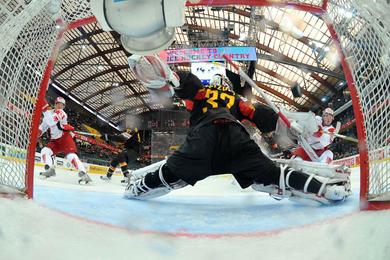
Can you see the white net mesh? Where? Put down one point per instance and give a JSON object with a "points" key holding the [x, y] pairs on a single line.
{"points": [[364, 31], [73, 10], [24, 51], [28, 33]]}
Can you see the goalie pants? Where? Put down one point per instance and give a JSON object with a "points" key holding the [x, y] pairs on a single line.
{"points": [[214, 149]]}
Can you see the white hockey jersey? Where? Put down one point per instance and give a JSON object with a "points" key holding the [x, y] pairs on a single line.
{"points": [[321, 140], [50, 120]]}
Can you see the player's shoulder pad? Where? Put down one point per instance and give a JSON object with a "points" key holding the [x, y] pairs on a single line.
{"points": [[61, 115]]}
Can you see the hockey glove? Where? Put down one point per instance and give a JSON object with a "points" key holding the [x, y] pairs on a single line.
{"points": [[67, 127], [45, 106]]}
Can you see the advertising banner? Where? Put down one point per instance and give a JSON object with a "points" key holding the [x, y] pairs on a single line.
{"points": [[208, 54]]}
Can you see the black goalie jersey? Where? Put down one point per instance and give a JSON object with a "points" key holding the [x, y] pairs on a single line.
{"points": [[207, 103]]}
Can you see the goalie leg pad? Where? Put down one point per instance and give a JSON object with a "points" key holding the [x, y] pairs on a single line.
{"points": [[153, 184], [301, 186], [141, 172], [332, 171]]}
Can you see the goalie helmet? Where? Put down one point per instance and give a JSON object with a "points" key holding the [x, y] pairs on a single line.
{"points": [[60, 100], [220, 80]]}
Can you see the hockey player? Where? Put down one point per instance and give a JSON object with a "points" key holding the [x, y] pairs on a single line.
{"points": [[61, 140], [128, 156], [320, 140], [217, 143]]}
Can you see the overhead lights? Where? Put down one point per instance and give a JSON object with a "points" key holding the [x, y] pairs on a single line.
{"points": [[243, 36], [59, 89], [102, 118], [74, 100], [231, 26], [341, 83], [88, 109]]}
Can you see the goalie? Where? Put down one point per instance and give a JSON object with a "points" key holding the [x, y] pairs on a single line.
{"points": [[217, 143]]}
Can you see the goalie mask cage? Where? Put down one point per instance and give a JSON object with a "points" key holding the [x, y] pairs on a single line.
{"points": [[31, 34]]}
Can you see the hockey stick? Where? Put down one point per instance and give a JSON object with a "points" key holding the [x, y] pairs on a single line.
{"points": [[87, 134], [351, 139], [338, 126], [305, 145]]}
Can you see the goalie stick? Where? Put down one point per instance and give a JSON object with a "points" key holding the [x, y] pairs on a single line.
{"points": [[310, 152]]}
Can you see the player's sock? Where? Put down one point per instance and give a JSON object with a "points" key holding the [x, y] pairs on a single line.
{"points": [[109, 174]]}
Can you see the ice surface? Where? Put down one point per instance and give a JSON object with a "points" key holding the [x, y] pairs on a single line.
{"points": [[214, 220]]}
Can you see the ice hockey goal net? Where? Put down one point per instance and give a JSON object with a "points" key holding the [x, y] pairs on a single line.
{"points": [[31, 33]]}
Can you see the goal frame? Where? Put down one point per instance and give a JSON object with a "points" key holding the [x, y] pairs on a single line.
{"points": [[314, 9]]}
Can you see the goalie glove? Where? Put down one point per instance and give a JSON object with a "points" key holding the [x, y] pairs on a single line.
{"points": [[153, 73]]}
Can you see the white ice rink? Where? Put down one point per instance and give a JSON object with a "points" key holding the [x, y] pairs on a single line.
{"points": [[214, 220]]}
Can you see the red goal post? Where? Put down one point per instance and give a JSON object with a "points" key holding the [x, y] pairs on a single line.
{"points": [[362, 39]]}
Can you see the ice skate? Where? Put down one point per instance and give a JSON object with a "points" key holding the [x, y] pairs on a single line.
{"points": [[84, 178], [127, 178], [49, 172], [105, 178]]}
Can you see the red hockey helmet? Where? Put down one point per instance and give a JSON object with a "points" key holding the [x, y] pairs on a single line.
{"points": [[60, 100], [328, 111]]}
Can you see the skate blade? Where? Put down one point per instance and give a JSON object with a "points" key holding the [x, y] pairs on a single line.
{"points": [[84, 182], [105, 180], [42, 177]]}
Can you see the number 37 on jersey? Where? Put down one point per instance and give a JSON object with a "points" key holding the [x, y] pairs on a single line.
{"points": [[217, 96]]}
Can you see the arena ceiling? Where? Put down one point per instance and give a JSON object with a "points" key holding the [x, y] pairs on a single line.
{"points": [[292, 47]]}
